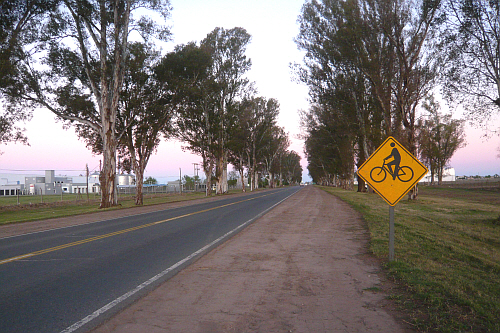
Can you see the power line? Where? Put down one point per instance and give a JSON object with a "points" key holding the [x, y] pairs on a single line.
{"points": [[33, 170]]}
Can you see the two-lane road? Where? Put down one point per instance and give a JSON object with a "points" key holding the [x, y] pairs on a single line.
{"points": [[71, 279]]}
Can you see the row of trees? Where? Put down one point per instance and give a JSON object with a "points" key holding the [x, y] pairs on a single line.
{"points": [[122, 97], [370, 64]]}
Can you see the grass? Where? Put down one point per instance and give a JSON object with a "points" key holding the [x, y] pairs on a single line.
{"points": [[31, 208], [447, 249]]}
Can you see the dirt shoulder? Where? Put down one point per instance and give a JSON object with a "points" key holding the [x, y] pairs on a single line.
{"points": [[303, 267]]}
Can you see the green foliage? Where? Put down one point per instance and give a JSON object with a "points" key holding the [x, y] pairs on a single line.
{"points": [[439, 137], [367, 64], [150, 181], [70, 59], [472, 41], [291, 168]]}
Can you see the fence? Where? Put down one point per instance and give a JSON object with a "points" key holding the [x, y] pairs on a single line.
{"points": [[471, 183]]}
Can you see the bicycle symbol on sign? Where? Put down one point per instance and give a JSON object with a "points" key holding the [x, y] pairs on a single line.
{"points": [[404, 173]]}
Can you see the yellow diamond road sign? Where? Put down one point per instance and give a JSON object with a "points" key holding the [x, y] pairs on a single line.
{"points": [[392, 171]]}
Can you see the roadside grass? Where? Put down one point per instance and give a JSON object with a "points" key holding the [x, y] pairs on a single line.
{"points": [[447, 250], [31, 208]]}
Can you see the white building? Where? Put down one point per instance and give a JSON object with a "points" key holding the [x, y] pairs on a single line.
{"points": [[13, 184], [448, 176]]}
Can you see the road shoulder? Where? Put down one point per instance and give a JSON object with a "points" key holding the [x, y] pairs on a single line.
{"points": [[302, 267]]}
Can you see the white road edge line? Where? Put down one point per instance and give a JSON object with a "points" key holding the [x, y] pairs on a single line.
{"points": [[143, 285]]}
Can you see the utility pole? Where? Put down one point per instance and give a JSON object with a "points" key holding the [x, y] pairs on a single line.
{"points": [[195, 173], [87, 174], [180, 180]]}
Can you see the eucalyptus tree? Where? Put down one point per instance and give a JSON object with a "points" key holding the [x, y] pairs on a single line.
{"points": [[145, 111], [238, 145], [260, 122], [329, 147], [342, 69], [75, 68], [440, 136], [196, 122], [473, 44], [19, 26], [412, 28], [291, 168], [229, 65], [275, 144]]}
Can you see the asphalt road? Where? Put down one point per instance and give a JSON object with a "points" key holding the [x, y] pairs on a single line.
{"points": [[71, 279]]}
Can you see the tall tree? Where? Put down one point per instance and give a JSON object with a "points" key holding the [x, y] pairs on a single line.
{"points": [[341, 71], [197, 121], [440, 136], [83, 48], [238, 143], [146, 109], [261, 118], [275, 144], [411, 28], [19, 26], [292, 170], [229, 65], [473, 43], [379, 57]]}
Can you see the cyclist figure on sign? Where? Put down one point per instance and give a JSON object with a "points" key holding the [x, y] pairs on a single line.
{"points": [[396, 161]]}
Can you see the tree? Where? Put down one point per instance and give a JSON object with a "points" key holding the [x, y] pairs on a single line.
{"points": [[329, 147], [377, 57], [188, 182], [196, 123], [238, 143], [411, 30], [440, 137], [292, 170], [473, 44], [275, 144], [150, 181], [145, 112], [83, 48], [341, 68], [19, 25], [258, 117], [229, 65], [233, 179], [9, 131]]}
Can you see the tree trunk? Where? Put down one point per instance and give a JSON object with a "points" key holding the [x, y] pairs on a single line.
{"points": [[242, 180], [241, 174], [107, 177], [139, 181], [218, 174], [225, 187], [207, 169]]}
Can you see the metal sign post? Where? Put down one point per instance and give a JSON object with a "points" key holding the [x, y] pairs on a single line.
{"points": [[391, 233], [392, 171]]}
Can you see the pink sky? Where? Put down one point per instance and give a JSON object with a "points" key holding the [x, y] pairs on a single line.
{"points": [[479, 157], [271, 50]]}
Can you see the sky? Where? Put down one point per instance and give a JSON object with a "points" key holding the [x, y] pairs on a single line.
{"points": [[273, 27]]}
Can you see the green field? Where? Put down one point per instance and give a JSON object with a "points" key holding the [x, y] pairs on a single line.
{"points": [[447, 250], [32, 208]]}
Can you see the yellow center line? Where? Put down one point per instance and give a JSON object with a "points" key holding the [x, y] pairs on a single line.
{"points": [[92, 239]]}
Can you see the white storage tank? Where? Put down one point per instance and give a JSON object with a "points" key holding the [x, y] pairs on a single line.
{"points": [[125, 180]]}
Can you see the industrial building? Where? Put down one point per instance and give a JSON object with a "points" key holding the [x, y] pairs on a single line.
{"points": [[14, 184]]}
